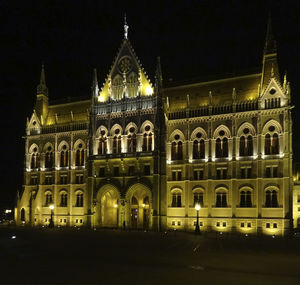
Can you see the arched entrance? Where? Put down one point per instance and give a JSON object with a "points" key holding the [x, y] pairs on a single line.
{"points": [[107, 207], [139, 198]]}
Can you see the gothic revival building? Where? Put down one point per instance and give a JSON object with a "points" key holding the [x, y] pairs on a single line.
{"points": [[142, 155]]}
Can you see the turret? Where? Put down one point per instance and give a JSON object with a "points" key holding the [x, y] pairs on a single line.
{"points": [[41, 105]]}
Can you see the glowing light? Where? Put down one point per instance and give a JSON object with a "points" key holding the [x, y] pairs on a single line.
{"points": [[149, 90], [116, 205], [101, 98], [144, 205], [7, 211], [13, 237], [51, 207], [281, 155], [168, 161], [197, 206]]}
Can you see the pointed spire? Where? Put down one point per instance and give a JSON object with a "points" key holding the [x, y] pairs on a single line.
{"points": [[270, 43], [233, 95], [42, 87], [284, 81], [210, 98], [158, 74], [95, 87], [126, 27]]}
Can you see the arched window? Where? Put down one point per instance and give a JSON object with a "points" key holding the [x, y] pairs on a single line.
{"points": [[242, 146], [274, 200], [64, 157], [246, 146], [221, 199], [218, 148], [134, 201], [22, 215], [49, 158], [267, 144], [275, 144], [198, 149], [131, 143], [198, 198], [80, 156], [176, 199], [225, 147], [48, 199], [179, 151], [174, 151], [271, 199], [147, 142], [249, 145], [102, 149], [117, 144], [243, 199], [248, 199], [34, 159], [221, 147], [268, 199], [64, 200], [79, 199]]}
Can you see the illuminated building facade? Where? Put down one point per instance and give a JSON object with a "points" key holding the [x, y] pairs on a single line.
{"points": [[142, 155]]}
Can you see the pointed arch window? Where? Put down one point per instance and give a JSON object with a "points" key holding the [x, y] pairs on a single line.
{"points": [[35, 159], [198, 149], [271, 144], [176, 151], [64, 157], [246, 146], [117, 144], [49, 158], [147, 142], [221, 147], [80, 156], [131, 142], [102, 146]]}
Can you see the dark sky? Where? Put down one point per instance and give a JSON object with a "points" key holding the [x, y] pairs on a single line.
{"points": [[193, 39]]}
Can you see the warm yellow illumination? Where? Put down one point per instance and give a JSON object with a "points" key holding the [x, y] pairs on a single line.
{"points": [[101, 98], [116, 205], [144, 205], [149, 90], [51, 207], [197, 206]]}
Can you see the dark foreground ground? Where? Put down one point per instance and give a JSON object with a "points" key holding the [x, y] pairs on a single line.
{"points": [[59, 256]]}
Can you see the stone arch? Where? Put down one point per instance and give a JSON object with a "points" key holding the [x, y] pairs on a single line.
{"points": [[144, 124], [130, 125], [107, 206], [177, 132], [244, 126], [199, 130], [272, 122], [79, 141], [139, 199], [224, 128], [32, 147], [114, 128], [61, 144], [101, 129], [47, 145]]}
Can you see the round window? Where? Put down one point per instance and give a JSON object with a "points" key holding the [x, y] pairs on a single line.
{"points": [[246, 131], [221, 133], [272, 91], [49, 148], [147, 128], [131, 130], [176, 137], [64, 147], [102, 133], [117, 131], [35, 149], [198, 135], [34, 123], [80, 145], [271, 128]]}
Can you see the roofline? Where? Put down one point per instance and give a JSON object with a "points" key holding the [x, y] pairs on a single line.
{"points": [[212, 81], [70, 103]]}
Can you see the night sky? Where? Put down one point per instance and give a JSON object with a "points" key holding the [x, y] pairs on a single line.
{"points": [[195, 39]]}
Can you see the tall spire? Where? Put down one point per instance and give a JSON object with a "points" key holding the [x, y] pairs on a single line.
{"points": [[42, 87], [158, 74], [126, 27], [270, 43], [95, 87]]}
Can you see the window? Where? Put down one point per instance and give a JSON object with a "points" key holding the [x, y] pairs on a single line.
{"points": [[131, 170], [117, 143], [246, 146], [173, 223], [242, 225], [33, 180], [275, 226], [268, 225], [199, 148], [147, 140], [176, 150], [224, 224], [176, 175], [79, 200], [179, 223], [221, 147], [246, 172], [221, 199], [102, 147], [48, 180], [221, 173], [48, 199], [64, 179], [64, 160], [146, 169], [116, 171], [35, 159], [79, 178], [198, 174], [218, 224], [271, 143], [176, 199], [101, 171], [131, 143], [198, 198], [271, 171], [64, 200], [248, 225], [298, 198], [271, 199], [49, 158], [79, 156], [245, 199]]}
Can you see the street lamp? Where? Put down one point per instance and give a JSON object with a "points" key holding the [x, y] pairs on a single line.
{"points": [[51, 222], [197, 228]]}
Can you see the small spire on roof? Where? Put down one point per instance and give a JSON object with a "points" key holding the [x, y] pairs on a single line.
{"points": [[126, 27], [42, 87], [95, 87], [270, 43]]}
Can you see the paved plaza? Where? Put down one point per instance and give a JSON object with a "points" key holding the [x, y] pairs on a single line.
{"points": [[78, 256]]}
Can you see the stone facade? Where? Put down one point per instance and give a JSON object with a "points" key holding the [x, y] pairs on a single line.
{"points": [[141, 156]]}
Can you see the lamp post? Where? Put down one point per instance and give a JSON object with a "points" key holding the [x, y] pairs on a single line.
{"points": [[197, 228], [51, 222]]}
